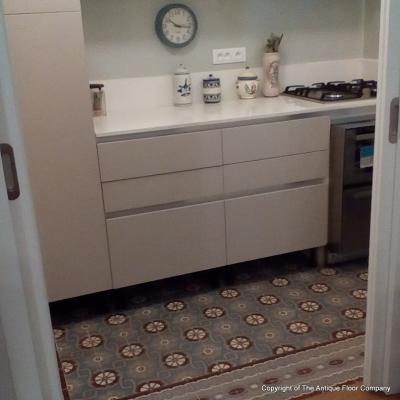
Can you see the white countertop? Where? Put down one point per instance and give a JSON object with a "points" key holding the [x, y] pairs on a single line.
{"points": [[121, 123]]}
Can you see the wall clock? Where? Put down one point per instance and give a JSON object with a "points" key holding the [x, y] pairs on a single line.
{"points": [[176, 25]]}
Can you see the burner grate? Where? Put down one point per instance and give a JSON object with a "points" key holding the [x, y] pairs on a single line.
{"points": [[334, 90]]}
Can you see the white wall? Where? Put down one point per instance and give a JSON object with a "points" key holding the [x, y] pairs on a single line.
{"points": [[371, 28], [121, 41]]}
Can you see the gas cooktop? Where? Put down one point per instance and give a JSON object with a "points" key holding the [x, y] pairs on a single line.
{"points": [[334, 91]]}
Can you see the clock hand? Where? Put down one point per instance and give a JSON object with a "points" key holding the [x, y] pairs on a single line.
{"points": [[177, 25]]}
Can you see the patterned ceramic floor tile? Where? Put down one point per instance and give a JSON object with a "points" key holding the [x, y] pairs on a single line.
{"points": [[144, 338]]}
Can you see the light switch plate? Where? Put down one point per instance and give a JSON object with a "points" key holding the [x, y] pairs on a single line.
{"points": [[229, 56]]}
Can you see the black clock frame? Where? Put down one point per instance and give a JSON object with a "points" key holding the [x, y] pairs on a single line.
{"points": [[159, 21]]}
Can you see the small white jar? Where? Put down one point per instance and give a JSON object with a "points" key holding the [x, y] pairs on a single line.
{"points": [[182, 86], [247, 84]]}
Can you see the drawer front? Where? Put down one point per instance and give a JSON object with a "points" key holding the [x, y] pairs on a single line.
{"points": [[159, 155], [256, 142], [163, 189], [276, 223], [160, 244], [257, 175]]}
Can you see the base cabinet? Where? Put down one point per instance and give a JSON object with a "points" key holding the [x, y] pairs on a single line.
{"points": [[275, 223], [208, 202], [160, 244]]}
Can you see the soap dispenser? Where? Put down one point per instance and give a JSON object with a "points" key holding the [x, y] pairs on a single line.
{"points": [[98, 99]]}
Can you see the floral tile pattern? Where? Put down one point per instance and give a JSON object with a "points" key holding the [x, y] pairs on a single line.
{"points": [[293, 376], [140, 339]]}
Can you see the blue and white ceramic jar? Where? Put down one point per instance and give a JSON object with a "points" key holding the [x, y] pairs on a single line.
{"points": [[182, 86], [211, 89]]}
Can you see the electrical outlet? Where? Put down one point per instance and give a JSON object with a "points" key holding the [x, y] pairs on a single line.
{"points": [[229, 56]]}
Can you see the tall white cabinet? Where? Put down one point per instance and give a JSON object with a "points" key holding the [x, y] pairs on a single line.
{"points": [[47, 55], [40, 6]]}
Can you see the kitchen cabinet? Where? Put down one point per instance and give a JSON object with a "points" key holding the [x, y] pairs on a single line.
{"points": [[179, 187], [54, 104], [278, 222], [161, 154], [186, 202], [263, 174], [155, 245], [277, 139]]}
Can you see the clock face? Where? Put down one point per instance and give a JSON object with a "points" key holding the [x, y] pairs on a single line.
{"points": [[176, 25]]}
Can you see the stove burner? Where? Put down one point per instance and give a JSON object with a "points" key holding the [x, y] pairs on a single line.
{"points": [[334, 90], [333, 96]]}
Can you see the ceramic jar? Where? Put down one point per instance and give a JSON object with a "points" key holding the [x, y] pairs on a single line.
{"points": [[98, 97], [247, 84], [211, 89], [271, 87], [182, 86]]}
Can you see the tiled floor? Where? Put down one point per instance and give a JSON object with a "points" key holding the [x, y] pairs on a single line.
{"points": [[145, 337]]}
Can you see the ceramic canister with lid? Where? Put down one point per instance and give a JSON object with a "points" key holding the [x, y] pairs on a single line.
{"points": [[182, 86], [247, 84], [211, 89]]}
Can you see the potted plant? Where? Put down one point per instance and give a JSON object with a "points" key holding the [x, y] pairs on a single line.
{"points": [[271, 60]]}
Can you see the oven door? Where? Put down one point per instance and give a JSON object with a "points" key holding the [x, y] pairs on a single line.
{"points": [[356, 215], [356, 141]]}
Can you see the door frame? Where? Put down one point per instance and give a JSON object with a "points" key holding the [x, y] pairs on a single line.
{"points": [[382, 352], [32, 346]]}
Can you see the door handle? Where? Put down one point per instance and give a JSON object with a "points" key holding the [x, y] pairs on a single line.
{"points": [[10, 171], [394, 120]]}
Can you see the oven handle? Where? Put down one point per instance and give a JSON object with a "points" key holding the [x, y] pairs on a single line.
{"points": [[365, 136], [362, 194]]}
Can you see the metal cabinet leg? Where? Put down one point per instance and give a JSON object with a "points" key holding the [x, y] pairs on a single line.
{"points": [[320, 256]]}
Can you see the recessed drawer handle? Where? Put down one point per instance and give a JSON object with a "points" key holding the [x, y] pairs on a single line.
{"points": [[10, 171], [362, 194]]}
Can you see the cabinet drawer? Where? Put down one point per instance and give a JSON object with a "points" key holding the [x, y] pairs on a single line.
{"points": [[276, 223], [256, 142], [159, 155], [255, 175], [160, 244], [163, 189]]}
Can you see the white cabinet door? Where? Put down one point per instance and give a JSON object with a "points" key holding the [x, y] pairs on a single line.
{"points": [[277, 139], [275, 223], [159, 155], [188, 186], [155, 245], [39, 6], [48, 62], [264, 174]]}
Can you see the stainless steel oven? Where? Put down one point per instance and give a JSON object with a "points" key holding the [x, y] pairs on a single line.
{"points": [[350, 190]]}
